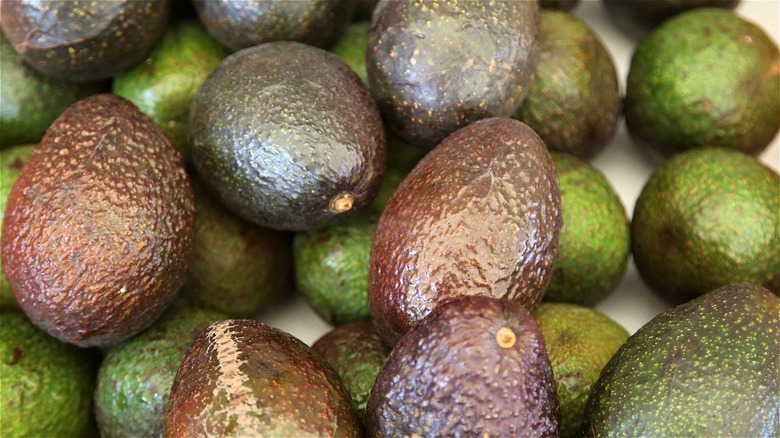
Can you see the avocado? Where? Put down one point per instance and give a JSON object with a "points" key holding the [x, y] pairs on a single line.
{"points": [[98, 227], [83, 41], [11, 162], [351, 48], [706, 78], [331, 269], [479, 215], [580, 341], [434, 67], [244, 378], [638, 17], [574, 101], [356, 353], [561, 5], [236, 267], [705, 368], [164, 86], [47, 386], [475, 366], [239, 24], [287, 136], [595, 242], [136, 376], [707, 218]]}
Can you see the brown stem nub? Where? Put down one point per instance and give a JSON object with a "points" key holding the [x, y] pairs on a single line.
{"points": [[342, 202], [505, 337]]}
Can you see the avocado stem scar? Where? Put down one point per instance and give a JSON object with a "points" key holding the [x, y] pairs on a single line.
{"points": [[505, 337], [342, 202]]}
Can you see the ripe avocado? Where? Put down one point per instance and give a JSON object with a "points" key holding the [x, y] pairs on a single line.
{"points": [[707, 218], [83, 41], [98, 227], [706, 78], [437, 66], [244, 378], [479, 215], [287, 136], [640, 16], [709, 367], [475, 366]]}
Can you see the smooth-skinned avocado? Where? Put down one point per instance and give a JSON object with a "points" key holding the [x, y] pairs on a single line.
{"points": [[478, 215], [709, 367], [638, 17], [475, 366], [98, 227], [287, 136]]}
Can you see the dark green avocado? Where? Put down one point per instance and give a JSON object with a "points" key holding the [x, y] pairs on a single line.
{"points": [[641, 16]]}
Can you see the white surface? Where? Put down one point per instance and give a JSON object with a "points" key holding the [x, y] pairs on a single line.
{"points": [[626, 166]]}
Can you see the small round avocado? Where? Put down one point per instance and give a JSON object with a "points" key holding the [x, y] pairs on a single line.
{"points": [[640, 16], [47, 385], [164, 86], [580, 341], [351, 48], [574, 100], [331, 269], [706, 78], [707, 218], [136, 376], [595, 242]]}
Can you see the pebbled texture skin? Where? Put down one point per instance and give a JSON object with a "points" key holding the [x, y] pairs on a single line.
{"points": [[280, 129], [434, 67], [479, 215], [98, 227], [449, 376]]}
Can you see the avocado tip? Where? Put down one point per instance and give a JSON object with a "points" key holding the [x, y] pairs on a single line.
{"points": [[342, 202]]}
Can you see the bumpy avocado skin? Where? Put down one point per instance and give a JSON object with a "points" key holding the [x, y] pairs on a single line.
{"points": [[136, 376], [707, 218], [434, 67], [574, 101], [84, 41], [164, 85], [705, 368], [706, 78], [638, 17], [595, 242], [580, 341], [46, 385]]}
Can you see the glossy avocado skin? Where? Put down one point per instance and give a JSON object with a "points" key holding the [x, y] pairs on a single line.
{"points": [[84, 41], [705, 368], [99, 224], [282, 131], [479, 215], [434, 67], [640, 16], [475, 366]]}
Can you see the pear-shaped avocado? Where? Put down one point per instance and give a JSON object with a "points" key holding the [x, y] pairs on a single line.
{"points": [[479, 215], [98, 227]]}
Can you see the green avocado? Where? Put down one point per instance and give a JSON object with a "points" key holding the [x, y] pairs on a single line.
{"points": [[709, 367]]}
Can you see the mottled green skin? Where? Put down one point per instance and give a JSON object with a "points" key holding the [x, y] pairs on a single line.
{"points": [[351, 48], [707, 218], [331, 269], [29, 101], [574, 100], [356, 353], [706, 78], [11, 162], [595, 242], [136, 376], [705, 368], [164, 86], [237, 267], [47, 385], [638, 17], [580, 342]]}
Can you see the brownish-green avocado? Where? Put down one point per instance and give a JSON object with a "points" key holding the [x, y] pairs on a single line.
{"points": [[479, 215], [83, 40], [475, 366], [98, 227], [641, 16], [709, 367], [244, 378]]}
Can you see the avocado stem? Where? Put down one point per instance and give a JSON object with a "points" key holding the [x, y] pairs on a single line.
{"points": [[342, 202], [505, 337]]}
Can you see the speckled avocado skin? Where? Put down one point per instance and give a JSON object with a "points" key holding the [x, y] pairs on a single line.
{"points": [[476, 366], [479, 215], [434, 67], [87, 40], [706, 368], [98, 227], [640, 16], [280, 131]]}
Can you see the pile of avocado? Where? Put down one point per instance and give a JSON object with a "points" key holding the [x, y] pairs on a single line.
{"points": [[423, 176]]}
